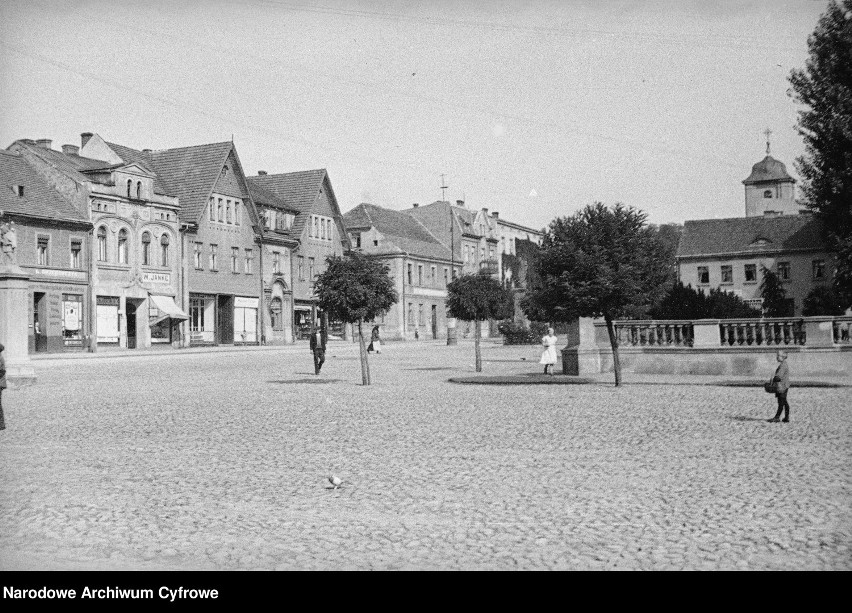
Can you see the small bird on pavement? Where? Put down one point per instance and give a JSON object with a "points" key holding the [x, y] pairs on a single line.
{"points": [[335, 481]]}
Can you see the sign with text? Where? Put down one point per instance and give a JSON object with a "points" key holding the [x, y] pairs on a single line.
{"points": [[156, 277]]}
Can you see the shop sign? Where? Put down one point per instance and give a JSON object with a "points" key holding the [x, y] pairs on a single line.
{"points": [[64, 274], [245, 303], [156, 277]]}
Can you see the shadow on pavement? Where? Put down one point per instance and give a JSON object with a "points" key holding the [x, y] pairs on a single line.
{"points": [[313, 381], [744, 418]]}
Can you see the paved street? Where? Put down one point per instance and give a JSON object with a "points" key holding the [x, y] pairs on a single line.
{"points": [[219, 461]]}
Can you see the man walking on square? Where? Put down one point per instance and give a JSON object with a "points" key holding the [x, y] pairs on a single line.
{"points": [[782, 382], [2, 386], [318, 342]]}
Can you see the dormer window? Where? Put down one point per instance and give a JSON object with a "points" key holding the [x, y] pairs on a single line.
{"points": [[767, 193]]}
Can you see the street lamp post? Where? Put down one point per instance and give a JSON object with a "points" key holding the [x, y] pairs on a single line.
{"points": [[451, 321]]}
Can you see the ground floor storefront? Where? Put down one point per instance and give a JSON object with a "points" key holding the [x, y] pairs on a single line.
{"points": [[59, 319], [137, 320], [223, 319]]}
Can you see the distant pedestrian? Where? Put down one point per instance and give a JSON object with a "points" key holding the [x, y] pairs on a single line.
{"points": [[318, 343], [782, 384], [2, 386], [375, 341], [548, 356]]}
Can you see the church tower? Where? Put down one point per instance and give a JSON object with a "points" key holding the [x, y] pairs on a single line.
{"points": [[769, 190]]}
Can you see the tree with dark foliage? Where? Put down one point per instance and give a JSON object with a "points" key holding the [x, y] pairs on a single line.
{"points": [[354, 289], [822, 300], [824, 87], [599, 262], [478, 298], [684, 302], [774, 295]]}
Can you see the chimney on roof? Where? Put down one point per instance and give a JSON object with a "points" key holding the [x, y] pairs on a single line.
{"points": [[485, 210], [415, 205], [261, 173], [146, 151], [70, 149], [495, 215], [84, 138], [459, 202], [44, 143]]}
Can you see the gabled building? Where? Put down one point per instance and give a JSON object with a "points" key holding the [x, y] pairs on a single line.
{"points": [[135, 262], [277, 244], [53, 248], [319, 229], [420, 265]]}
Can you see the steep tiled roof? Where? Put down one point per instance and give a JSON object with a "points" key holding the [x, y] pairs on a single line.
{"points": [[264, 197], [298, 189], [71, 164], [39, 199], [190, 173], [768, 169], [401, 231], [143, 158], [750, 235]]}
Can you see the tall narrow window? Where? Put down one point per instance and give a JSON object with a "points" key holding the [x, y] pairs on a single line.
{"points": [[164, 250], [129, 186], [249, 260], [42, 250], [750, 273], [301, 268], [818, 269], [221, 211], [784, 271], [237, 212], [703, 275], [146, 248], [213, 253], [227, 211], [276, 262], [410, 274], [122, 246], [196, 255], [102, 244], [211, 209], [420, 274], [139, 190], [727, 274], [446, 276], [311, 270], [235, 256], [76, 249], [434, 279]]}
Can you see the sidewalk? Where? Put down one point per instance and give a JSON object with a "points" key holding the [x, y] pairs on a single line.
{"points": [[114, 352]]}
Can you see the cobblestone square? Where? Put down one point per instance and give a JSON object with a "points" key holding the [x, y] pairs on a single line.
{"points": [[219, 461]]}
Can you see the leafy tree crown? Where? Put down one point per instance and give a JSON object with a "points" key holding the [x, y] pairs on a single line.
{"points": [[355, 288], [477, 298]]}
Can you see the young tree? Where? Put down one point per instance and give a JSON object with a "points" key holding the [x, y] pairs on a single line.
{"points": [[600, 262], [354, 289], [478, 298], [773, 294], [824, 87]]}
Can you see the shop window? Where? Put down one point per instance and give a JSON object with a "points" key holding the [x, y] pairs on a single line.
{"points": [[750, 271], [102, 244], [122, 246], [276, 312], [72, 320], [43, 250], [703, 275], [164, 250], [146, 248]]}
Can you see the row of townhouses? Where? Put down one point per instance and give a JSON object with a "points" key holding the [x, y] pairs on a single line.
{"points": [[133, 248]]}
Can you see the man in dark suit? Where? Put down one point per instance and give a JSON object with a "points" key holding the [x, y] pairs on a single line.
{"points": [[318, 342]]}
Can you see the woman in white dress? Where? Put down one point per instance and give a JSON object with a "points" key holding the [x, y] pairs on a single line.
{"points": [[548, 356]]}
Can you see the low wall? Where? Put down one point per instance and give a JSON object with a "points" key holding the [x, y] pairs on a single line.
{"points": [[813, 353]]}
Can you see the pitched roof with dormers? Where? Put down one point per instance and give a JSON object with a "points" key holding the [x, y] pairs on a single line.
{"points": [[746, 235], [40, 200], [298, 189], [143, 158], [401, 232]]}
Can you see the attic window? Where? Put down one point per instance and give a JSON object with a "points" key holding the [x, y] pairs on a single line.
{"points": [[18, 190], [767, 193]]}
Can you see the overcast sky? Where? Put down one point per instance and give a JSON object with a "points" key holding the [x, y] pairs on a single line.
{"points": [[531, 108]]}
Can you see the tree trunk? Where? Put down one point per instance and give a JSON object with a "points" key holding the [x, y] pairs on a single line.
{"points": [[613, 341], [477, 325], [365, 367]]}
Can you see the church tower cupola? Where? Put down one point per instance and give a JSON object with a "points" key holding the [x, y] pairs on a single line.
{"points": [[769, 190]]}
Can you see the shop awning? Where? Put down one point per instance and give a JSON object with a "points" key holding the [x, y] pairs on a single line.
{"points": [[167, 307]]}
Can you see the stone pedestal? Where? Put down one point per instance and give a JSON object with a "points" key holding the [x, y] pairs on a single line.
{"points": [[819, 331], [452, 339], [706, 333], [14, 315], [582, 355]]}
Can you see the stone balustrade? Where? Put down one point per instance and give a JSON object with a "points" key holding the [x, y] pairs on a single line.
{"points": [[645, 333], [762, 332]]}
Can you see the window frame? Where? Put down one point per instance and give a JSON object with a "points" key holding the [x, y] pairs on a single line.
{"points": [[103, 244], [729, 269], [703, 272], [43, 249], [749, 268], [165, 241]]}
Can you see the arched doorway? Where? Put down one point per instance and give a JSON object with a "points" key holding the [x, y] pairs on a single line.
{"points": [[280, 314]]}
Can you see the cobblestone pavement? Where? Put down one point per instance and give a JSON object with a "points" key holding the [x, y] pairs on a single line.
{"points": [[219, 461]]}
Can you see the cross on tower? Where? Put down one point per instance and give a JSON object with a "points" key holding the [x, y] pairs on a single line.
{"points": [[768, 132]]}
